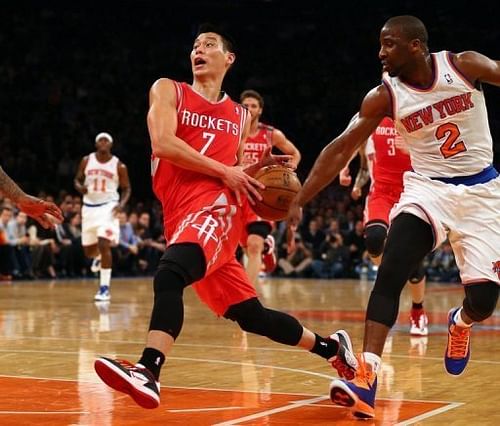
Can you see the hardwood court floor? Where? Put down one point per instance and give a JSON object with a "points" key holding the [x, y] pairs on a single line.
{"points": [[51, 332]]}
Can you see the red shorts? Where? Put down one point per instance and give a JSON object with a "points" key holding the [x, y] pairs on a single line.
{"points": [[380, 202], [215, 222]]}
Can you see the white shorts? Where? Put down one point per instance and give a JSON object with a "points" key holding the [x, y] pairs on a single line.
{"points": [[469, 216], [99, 222]]}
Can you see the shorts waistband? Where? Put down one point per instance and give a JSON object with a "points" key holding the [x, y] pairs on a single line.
{"points": [[98, 205], [489, 173]]}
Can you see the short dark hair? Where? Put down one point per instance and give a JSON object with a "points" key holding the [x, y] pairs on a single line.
{"points": [[411, 27], [249, 93], [227, 39]]}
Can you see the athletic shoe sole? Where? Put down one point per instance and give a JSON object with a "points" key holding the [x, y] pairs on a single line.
{"points": [[343, 395], [117, 379]]}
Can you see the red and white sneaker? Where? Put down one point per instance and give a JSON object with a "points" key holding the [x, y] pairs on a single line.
{"points": [[268, 255], [134, 380], [418, 323]]}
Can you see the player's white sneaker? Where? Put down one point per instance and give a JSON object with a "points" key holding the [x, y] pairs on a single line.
{"points": [[102, 294]]}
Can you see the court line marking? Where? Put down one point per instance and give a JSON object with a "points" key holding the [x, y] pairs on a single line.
{"points": [[254, 348], [432, 413], [191, 410], [221, 390], [293, 405], [44, 412]]}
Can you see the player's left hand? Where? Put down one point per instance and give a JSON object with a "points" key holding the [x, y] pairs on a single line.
{"points": [[44, 212], [269, 159], [117, 209]]}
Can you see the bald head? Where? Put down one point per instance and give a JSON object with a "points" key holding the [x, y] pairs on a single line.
{"points": [[410, 27]]}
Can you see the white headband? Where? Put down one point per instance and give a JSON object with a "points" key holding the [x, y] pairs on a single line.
{"points": [[105, 136]]}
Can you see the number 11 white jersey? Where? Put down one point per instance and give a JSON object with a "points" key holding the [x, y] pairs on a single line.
{"points": [[101, 180], [446, 125]]}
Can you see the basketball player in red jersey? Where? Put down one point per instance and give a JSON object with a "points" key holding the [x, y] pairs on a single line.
{"points": [[438, 107], [257, 240], [196, 136], [44, 212], [389, 161], [98, 178]]}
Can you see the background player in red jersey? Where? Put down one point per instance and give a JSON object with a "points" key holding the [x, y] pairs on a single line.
{"points": [[257, 238], [387, 161], [44, 212], [98, 178], [196, 133]]}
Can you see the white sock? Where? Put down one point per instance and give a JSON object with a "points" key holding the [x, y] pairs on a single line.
{"points": [[373, 359], [459, 321], [105, 277]]}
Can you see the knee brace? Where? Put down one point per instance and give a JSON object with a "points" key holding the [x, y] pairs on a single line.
{"points": [[260, 227], [180, 265], [480, 300], [408, 241], [251, 316], [375, 234], [417, 274]]}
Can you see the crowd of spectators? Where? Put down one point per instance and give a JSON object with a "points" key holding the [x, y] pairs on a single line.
{"points": [[70, 72]]}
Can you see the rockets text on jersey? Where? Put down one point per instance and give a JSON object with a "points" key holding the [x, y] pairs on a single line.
{"points": [[256, 144]]}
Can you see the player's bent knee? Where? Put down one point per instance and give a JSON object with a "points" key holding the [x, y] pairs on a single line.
{"points": [[481, 300], [255, 245], [252, 317], [375, 235], [186, 260], [417, 274]]}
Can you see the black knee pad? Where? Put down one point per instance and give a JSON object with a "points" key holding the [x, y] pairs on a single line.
{"points": [[480, 300], [186, 260], [417, 274], [251, 316], [260, 228], [375, 235], [383, 308]]}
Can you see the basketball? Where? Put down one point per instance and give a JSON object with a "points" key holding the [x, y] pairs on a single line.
{"points": [[281, 186]]}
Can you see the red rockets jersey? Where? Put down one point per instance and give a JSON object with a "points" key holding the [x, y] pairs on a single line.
{"points": [[390, 161], [255, 145], [212, 128]]}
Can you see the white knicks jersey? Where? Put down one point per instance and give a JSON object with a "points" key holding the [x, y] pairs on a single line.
{"points": [[101, 180], [445, 126]]}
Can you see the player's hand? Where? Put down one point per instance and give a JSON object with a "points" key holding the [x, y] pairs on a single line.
{"points": [[44, 212], [269, 159], [290, 238], [356, 193], [242, 184], [116, 210], [294, 216], [345, 178]]}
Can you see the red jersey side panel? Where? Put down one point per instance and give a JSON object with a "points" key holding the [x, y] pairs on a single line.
{"points": [[255, 145]]}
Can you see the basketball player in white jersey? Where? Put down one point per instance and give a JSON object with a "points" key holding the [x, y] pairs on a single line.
{"points": [[438, 107], [99, 176]]}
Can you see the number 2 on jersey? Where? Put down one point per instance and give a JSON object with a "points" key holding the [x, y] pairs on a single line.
{"points": [[450, 146]]}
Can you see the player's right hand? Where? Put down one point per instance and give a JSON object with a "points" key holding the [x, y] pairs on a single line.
{"points": [[345, 178], [356, 193], [242, 184], [44, 212], [294, 216]]}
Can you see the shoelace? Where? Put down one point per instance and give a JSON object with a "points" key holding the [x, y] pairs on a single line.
{"points": [[364, 373], [459, 340]]}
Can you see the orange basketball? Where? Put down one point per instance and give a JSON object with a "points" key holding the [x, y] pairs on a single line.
{"points": [[281, 186]]}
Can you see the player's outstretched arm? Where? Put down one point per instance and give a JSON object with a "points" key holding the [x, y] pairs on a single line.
{"points": [[337, 153], [478, 67], [46, 213]]}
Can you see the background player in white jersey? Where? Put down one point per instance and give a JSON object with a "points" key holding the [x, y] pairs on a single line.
{"points": [[99, 176], [257, 239], [438, 107]]}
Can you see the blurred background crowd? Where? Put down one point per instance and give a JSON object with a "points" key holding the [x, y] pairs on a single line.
{"points": [[312, 63]]}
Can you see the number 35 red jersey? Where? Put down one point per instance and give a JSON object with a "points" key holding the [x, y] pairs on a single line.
{"points": [[212, 128]]}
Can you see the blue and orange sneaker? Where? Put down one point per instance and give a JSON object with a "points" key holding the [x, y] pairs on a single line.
{"points": [[359, 394], [457, 352]]}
